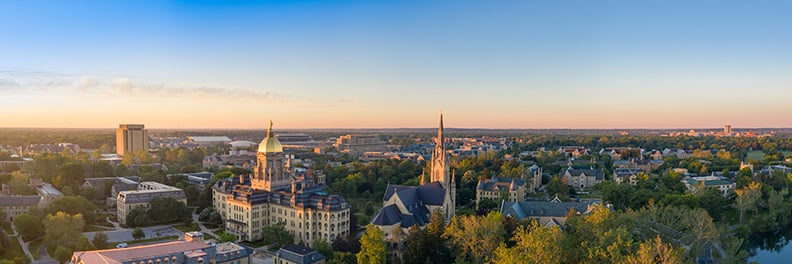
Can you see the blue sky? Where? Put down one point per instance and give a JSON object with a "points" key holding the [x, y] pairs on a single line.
{"points": [[305, 64]]}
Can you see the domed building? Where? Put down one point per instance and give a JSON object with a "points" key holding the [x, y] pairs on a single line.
{"points": [[272, 194]]}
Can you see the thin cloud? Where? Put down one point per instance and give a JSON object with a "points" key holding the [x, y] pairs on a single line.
{"points": [[36, 82]]}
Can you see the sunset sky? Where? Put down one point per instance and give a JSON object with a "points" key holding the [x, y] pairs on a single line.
{"points": [[391, 64]]}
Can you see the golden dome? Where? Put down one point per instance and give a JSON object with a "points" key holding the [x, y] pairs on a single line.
{"points": [[270, 144]]}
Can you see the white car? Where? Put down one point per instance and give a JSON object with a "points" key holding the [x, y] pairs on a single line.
{"points": [[122, 245]]}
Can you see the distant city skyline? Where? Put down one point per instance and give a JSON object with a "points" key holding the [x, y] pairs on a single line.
{"points": [[365, 64]]}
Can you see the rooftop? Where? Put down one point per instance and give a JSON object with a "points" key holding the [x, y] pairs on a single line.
{"points": [[119, 255]]}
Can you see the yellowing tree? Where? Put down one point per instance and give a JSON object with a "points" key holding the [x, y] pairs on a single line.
{"points": [[372, 247], [747, 198], [477, 237], [534, 244], [656, 252]]}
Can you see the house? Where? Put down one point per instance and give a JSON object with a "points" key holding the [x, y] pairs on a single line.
{"points": [[552, 213], [294, 254], [574, 151], [656, 154], [582, 178], [678, 153], [696, 184], [493, 187], [628, 175]]}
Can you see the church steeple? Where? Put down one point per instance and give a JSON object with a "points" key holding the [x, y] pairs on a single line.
{"points": [[440, 166]]}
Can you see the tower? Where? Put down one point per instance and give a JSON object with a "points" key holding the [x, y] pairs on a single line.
{"points": [[269, 173], [440, 160], [441, 173]]}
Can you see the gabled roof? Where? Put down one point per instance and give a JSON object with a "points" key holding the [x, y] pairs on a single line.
{"points": [[19, 200], [415, 200], [496, 183], [388, 216], [298, 254], [526, 209], [588, 172]]}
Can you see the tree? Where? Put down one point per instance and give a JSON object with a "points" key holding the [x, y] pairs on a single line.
{"points": [[276, 235], [62, 254], [656, 252], [72, 174], [533, 244], [372, 247], [193, 195], [100, 240], [417, 246], [323, 247], [74, 205], [29, 226], [3, 219], [747, 199], [558, 187], [138, 233], [63, 229], [476, 237], [165, 209], [137, 217], [20, 183]]}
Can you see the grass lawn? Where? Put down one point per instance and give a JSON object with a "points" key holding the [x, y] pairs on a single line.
{"points": [[186, 228], [14, 250], [132, 242], [9, 230], [254, 244], [93, 228], [757, 155], [33, 247], [208, 236]]}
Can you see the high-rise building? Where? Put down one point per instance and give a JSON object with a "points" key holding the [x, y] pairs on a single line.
{"points": [[130, 138], [727, 130]]}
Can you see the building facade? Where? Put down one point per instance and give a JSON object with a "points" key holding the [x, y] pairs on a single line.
{"points": [[15, 205], [405, 206], [273, 194], [582, 178], [357, 144], [130, 138], [516, 188], [126, 201]]}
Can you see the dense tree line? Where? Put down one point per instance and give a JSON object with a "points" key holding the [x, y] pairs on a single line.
{"points": [[160, 210]]}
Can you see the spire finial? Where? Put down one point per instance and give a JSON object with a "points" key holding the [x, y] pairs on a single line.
{"points": [[269, 130]]}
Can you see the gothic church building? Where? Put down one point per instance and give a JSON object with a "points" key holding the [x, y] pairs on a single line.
{"points": [[405, 206]]}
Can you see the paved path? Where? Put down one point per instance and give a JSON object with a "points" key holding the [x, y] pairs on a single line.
{"points": [[45, 258], [203, 228], [21, 242]]}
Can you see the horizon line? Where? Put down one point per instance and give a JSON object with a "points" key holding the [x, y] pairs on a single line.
{"points": [[416, 128]]}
